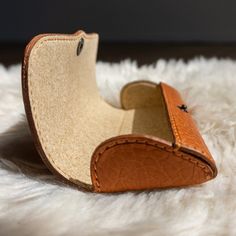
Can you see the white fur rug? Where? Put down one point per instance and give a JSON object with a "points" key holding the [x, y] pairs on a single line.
{"points": [[33, 202]]}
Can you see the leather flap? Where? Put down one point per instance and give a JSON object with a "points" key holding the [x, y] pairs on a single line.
{"points": [[186, 135], [153, 145]]}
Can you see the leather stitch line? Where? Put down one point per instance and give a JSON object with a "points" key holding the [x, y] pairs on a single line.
{"points": [[43, 140], [181, 155], [173, 121]]}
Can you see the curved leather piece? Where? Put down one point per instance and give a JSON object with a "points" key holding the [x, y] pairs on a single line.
{"points": [[133, 162], [141, 162], [46, 43], [185, 131], [177, 157]]}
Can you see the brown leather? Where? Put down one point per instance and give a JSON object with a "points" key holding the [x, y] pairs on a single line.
{"points": [[27, 106], [140, 162], [187, 136]]}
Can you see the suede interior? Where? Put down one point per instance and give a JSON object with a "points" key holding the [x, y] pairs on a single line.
{"points": [[70, 117]]}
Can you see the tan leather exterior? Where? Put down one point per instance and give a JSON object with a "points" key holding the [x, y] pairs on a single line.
{"points": [[140, 162], [186, 134], [130, 162]]}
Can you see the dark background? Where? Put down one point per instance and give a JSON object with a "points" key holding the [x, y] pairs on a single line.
{"points": [[129, 20], [142, 30]]}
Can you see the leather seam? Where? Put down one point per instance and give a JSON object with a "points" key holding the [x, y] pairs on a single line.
{"points": [[126, 141]]}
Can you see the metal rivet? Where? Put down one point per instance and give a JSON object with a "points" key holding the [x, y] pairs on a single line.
{"points": [[183, 107], [80, 46]]}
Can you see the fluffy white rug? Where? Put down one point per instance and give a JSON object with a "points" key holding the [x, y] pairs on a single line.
{"points": [[33, 202]]}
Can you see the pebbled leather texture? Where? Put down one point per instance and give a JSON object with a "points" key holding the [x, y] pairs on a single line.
{"points": [[174, 155], [184, 128], [131, 162], [140, 162]]}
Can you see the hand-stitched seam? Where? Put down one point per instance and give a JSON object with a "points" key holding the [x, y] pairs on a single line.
{"points": [[36, 120], [99, 153], [172, 119]]}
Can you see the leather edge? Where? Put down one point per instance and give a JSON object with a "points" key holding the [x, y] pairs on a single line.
{"points": [[176, 144], [199, 155], [28, 112], [179, 146], [143, 139]]}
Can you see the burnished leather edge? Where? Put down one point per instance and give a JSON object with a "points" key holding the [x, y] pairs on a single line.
{"points": [[27, 106], [175, 147], [202, 157]]}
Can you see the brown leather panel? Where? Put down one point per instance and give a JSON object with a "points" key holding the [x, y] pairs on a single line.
{"points": [[186, 134], [131, 162]]}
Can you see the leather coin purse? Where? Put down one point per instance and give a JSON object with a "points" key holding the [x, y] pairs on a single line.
{"points": [[152, 142]]}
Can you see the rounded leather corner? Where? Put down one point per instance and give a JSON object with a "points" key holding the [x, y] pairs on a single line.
{"points": [[205, 157], [134, 162]]}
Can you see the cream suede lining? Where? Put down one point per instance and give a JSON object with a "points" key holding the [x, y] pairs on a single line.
{"points": [[69, 115], [149, 116]]}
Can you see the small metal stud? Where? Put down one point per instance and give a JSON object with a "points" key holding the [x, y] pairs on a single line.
{"points": [[183, 107], [80, 46]]}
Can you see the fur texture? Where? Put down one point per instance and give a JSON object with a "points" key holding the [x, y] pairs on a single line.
{"points": [[34, 202]]}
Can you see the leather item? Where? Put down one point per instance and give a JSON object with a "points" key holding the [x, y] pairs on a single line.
{"points": [[151, 143], [133, 162], [139, 162]]}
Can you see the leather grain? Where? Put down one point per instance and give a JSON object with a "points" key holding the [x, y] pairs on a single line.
{"points": [[141, 162], [185, 131], [150, 155], [129, 162]]}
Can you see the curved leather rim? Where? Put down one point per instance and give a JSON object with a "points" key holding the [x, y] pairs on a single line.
{"points": [[27, 105]]}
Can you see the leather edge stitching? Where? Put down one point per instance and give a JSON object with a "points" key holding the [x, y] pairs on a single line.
{"points": [[116, 143], [26, 60]]}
